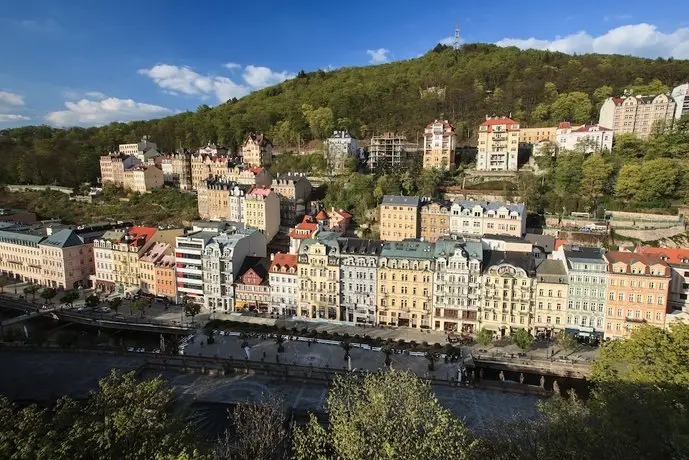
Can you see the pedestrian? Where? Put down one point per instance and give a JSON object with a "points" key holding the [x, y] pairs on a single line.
{"points": [[308, 342], [264, 355]]}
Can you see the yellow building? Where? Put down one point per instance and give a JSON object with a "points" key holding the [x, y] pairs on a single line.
{"points": [[435, 220], [439, 142], [498, 145], [148, 264], [508, 292], [399, 218], [262, 211], [142, 179], [636, 114], [112, 168], [405, 284], [551, 297], [319, 279], [257, 151], [537, 135]]}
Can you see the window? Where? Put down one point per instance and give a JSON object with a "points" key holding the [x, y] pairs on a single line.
{"points": [[620, 296], [612, 296], [660, 300]]}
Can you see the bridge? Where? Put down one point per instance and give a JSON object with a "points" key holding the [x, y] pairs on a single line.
{"points": [[32, 314]]}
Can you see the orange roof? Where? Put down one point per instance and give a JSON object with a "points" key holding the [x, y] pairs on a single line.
{"points": [[308, 225], [500, 121], [260, 191], [321, 215], [559, 243], [138, 232], [564, 125], [343, 213], [669, 255], [256, 170], [283, 260], [630, 258]]}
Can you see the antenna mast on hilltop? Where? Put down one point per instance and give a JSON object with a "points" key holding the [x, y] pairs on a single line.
{"points": [[455, 42]]}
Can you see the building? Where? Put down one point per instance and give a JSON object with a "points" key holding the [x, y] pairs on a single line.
{"points": [[104, 259], [148, 266], [638, 288], [112, 168], [222, 258], [66, 260], [358, 279], [535, 136], [506, 243], [508, 292], [260, 177], [335, 220], [308, 228], [213, 150], [262, 211], [126, 254], [294, 190], [143, 151], [189, 251], [252, 290], [20, 216], [176, 169], [389, 150], [165, 277], [498, 145], [221, 200], [551, 298], [435, 219], [636, 114], [585, 138], [143, 178], [284, 286], [319, 279], [678, 259], [479, 217], [587, 271], [680, 95], [405, 284], [399, 218], [257, 151], [338, 147], [439, 141], [200, 169], [456, 285]]}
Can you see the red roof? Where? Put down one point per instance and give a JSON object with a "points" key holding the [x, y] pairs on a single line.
{"points": [[559, 243], [307, 226], [256, 170], [564, 125], [321, 215], [343, 214], [260, 191], [588, 128], [138, 232], [283, 260], [500, 121], [669, 255], [631, 258]]}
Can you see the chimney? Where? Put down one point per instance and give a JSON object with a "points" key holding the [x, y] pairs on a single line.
{"points": [[272, 257]]}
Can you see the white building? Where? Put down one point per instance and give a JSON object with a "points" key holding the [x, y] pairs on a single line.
{"points": [[680, 94], [338, 147], [439, 142], [104, 277], [142, 151], [188, 258], [498, 145], [585, 138], [358, 279], [221, 260], [478, 218], [284, 288]]}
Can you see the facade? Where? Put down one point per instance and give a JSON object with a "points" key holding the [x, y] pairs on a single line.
{"points": [[585, 138], [104, 261], [306, 229], [456, 285], [435, 219], [165, 277], [399, 218], [294, 190], [262, 211], [176, 169], [498, 145], [508, 292], [189, 250], [358, 279], [260, 177], [338, 147], [112, 168], [147, 266], [221, 200], [143, 178], [143, 151], [587, 270], [535, 136], [257, 151], [66, 260], [405, 284], [678, 259], [389, 150], [680, 95], [636, 114], [284, 287], [495, 218], [252, 291], [638, 288], [551, 298], [335, 220], [213, 150], [319, 279], [439, 141], [126, 254]]}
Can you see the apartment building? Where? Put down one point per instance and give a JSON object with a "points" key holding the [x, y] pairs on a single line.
{"points": [[222, 258], [638, 289], [66, 259], [308, 228], [221, 200], [176, 169], [335, 220], [112, 168], [399, 218], [338, 147], [126, 254], [165, 277], [143, 151], [587, 271], [678, 259], [103, 256], [495, 218], [262, 211], [143, 178], [294, 190], [680, 95], [585, 138], [358, 279], [535, 136], [212, 149], [636, 114], [439, 142], [508, 292], [284, 286], [257, 151], [319, 279], [389, 150], [260, 177], [498, 145], [148, 266], [204, 167], [405, 284], [456, 285], [435, 219], [252, 291], [189, 250], [551, 298]]}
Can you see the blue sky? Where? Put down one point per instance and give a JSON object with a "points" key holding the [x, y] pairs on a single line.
{"points": [[85, 62]]}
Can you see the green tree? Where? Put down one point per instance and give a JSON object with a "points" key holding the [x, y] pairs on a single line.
{"points": [[568, 174], [432, 358], [115, 304], [549, 92], [320, 120], [32, 289], [191, 307], [386, 415], [628, 181], [523, 339], [652, 88], [601, 94], [595, 179], [140, 305], [575, 107], [48, 294], [659, 179], [92, 301], [69, 297], [484, 337]]}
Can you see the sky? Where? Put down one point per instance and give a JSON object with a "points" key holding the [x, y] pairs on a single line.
{"points": [[86, 63]]}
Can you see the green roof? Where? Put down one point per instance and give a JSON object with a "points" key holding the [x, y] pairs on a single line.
{"points": [[407, 249]]}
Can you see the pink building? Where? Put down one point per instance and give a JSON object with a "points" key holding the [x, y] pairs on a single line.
{"points": [[66, 260]]}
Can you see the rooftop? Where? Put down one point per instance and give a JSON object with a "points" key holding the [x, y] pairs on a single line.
{"points": [[491, 205], [411, 249], [508, 122], [63, 239], [523, 260], [584, 253], [260, 191], [397, 200], [257, 264], [676, 256], [281, 260], [358, 246], [156, 252], [447, 247], [545, 242], [632, 258]]}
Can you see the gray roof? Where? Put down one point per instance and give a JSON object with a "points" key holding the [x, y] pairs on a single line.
{"points": [[506, 238], [407, 249], [63, 239], [445, 248], [551, 271], [201, 235], [584, 254], [25, 239], [358, 246], [397, 200], [492, 205], [522, 260], [546, 242]]}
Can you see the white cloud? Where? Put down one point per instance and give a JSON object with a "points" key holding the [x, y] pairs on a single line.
{"points": [[260, 77], [638, 40], [378, 56], [95, 95], [11, 117], [182, 79], [90, 112], [11, 99], [232, 66]]}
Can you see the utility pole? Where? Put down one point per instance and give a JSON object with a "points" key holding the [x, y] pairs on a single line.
{"points": [[455, 42]]}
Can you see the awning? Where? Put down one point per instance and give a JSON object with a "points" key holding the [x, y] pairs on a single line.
{"points": [[239, 305]]}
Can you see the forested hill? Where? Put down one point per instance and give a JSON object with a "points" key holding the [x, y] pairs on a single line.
{"points": [[535, 87]]}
